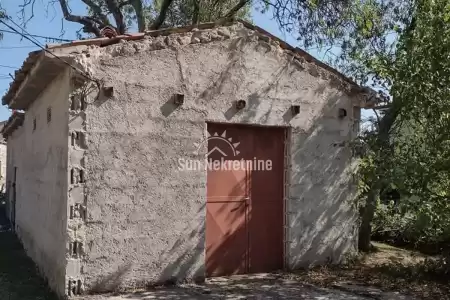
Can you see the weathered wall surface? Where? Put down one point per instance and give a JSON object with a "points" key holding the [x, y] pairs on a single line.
{"points": [[145, 217], [15, 146], [40, 156]]}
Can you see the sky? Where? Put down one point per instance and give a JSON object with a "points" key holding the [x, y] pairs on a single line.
{"points": [[47, 21]]}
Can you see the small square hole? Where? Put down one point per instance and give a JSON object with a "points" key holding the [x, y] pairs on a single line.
{"points": [[178, 99]]}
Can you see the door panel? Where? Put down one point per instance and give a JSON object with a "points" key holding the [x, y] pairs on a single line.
{"points": [[227, 197], [226, 250], [244, 223], [266, 243]]}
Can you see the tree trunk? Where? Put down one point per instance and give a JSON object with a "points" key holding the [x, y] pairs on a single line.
{"points": [[384, 146], [365, 231]]}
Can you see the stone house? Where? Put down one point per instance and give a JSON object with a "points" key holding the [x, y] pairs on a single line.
{"points": [[112, 190]]}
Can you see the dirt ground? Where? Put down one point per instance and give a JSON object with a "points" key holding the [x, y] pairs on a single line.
{"points": [[388, 274], [260, 286], [19, 279], [387, 268]]}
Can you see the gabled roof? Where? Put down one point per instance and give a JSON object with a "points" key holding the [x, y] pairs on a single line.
{"points": [[41, 67], [14, 122]]}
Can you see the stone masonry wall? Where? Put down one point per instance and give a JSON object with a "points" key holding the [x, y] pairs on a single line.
{"points": [[145, 219]]}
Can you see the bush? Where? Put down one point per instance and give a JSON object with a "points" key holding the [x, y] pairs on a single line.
{"points": [[425, 227]]}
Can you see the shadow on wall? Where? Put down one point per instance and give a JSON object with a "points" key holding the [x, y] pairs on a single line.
{"points": [[112, 281], [322, 225], [322, 222], [177, 267]]}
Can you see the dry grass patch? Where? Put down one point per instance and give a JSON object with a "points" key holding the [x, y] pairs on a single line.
{"points": [[388, 268]]}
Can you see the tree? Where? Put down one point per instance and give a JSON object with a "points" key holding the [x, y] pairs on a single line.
{"points": [[147, 15], [422, 81], [410, 146], [366, 37]]}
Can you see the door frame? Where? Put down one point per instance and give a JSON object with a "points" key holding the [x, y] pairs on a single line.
{"points": [[13, 200]]}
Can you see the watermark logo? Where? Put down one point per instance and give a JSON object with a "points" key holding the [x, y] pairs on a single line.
{"points": [[224, 147], [222, 154]]}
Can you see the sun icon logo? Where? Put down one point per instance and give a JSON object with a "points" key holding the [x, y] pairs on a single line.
{"points": [[221, 143]]}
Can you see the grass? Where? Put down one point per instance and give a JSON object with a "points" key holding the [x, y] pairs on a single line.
{"points": [[387, 268]]}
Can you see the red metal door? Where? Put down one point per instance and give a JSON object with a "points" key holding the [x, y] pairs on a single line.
{"points": [[244, 222], [266, 238]]}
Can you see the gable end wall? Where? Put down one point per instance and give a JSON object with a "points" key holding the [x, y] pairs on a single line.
{"points": [[145, 219]]}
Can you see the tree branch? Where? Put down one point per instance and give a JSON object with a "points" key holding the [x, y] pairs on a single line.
{"points": [[97, 10], [196, 12], [125, 3], [162, 15], [90, 24], [138, 8], [114, 9], [235, 9], [22, 10]]}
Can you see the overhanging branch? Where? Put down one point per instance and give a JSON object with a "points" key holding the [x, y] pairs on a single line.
{"points": [[162, 15], [235, 9], [138, 9], [97, 10], [90, 24], [114, 9]]}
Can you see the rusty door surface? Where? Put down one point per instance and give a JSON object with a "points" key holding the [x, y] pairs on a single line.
{"points": [[244, 222]]}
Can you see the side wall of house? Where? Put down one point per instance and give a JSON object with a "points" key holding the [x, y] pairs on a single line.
{"points": [[41, 161], [146, 218], [13, 158], [3, 163]]}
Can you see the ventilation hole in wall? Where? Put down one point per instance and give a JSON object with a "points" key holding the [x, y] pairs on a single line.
{"points": [[82, 103], [80, 211], [72, 103], [342, 113], [81, 176], [72, 176], [49, 114], [77, 211], [34, 124], [77, 102], [82, 140], [79, 140], [73, 138], [74, 287], [79, 290], [75, 248]]}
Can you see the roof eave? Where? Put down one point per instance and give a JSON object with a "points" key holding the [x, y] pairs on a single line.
{"points": [[15, 121], [44, 69]]}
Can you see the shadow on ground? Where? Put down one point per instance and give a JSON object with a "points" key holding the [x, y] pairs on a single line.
{"points": [[19, 278], [259, 286]]}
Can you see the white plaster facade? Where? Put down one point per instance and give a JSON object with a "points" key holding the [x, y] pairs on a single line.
{"points": [[3, 164], [40, 156], [101, 203]]}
